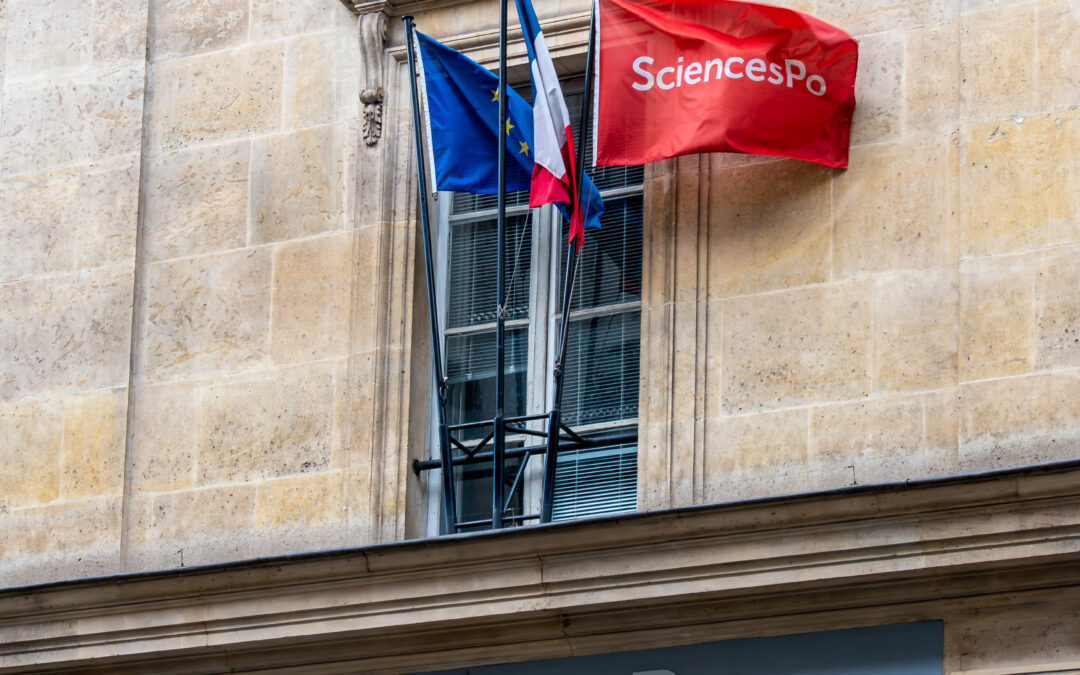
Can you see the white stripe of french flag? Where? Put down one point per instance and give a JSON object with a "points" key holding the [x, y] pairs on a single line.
{"points": [[554, 176]]}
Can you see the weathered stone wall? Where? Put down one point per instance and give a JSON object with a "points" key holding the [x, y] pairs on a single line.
{"points": [[207, 277], [180, 285], [71, 115], [912, 316]]}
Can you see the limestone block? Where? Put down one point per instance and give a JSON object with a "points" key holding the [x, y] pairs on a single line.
{"points": [[313, 280], [177, 535], [302, 513], [196, 201], [797, 347], [997, 63], [167, 432], [94, 435], [996, 316], [860, 17], [354, 408], [1057, 310], [297, 185], [68, 332], [277, 425], [120, 30], [892, 209], [941, 428], [32, 433], [367, 274], [68, 218], [278, 18], [1019, 184], [60, 541], [213, 97], [769, 227], [879, 89], [184, 27], [107, 212], [866, 442], [322, 77], [47, 39], [931, 86], [37, 228], [1059, 54], [916, 326], [1019, 420], [206, 314], [1001, 639], [756, 455], [94, 115]]}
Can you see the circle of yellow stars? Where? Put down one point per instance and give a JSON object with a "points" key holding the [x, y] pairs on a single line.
{"points": [[524, 146]]}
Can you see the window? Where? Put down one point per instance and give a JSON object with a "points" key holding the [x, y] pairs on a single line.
{"points": [[601, 388]]}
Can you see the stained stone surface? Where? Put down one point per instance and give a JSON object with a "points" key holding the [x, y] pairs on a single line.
{"points": [[215, 96], [68, 332], [206, 314], [196, 201], [212, 329]]}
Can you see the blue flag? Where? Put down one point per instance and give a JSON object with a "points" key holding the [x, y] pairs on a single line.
{"points": [[462, 103]]}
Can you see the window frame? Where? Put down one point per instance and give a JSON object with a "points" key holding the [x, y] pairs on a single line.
{"points": [[547, 232]]}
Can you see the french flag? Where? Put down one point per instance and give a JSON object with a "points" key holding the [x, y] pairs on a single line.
{"points": [[554, 175]]}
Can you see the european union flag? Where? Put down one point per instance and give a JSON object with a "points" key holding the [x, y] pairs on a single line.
{"points": [[462, 103]]}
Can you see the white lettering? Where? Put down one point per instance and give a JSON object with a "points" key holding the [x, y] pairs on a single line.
{"points": [[776, 75], [693, 73], [719, 63], [791, 76], [727, 68], [735, 68], [660, 78], [754, 70], [647, 60]]}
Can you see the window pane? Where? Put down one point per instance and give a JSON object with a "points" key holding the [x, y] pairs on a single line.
{"points": [[465, 202], [610, 266], [472, 282], [470, 366], [605, 177], [602, 369], [595, 481], [473, 489]]}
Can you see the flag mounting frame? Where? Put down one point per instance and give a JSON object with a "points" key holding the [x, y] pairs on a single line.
{"points": [[557, 437]]}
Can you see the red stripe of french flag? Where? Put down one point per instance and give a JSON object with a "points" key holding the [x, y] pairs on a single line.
{"points": [[554, 177]]}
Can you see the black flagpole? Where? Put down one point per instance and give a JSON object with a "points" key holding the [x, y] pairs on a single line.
{"points": [[500, 316], [449, 509], [551, 457]]}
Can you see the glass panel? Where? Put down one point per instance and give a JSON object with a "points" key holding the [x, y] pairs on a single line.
{"points": [[595, 481], [470, 366], [603, 355], [610, 267], [473, 265], [473, 490], [605, 177], [465, 202]]}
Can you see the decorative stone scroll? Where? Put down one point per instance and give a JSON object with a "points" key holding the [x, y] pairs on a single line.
{"points": [[373, 29]]}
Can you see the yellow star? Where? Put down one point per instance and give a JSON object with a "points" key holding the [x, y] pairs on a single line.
{"points": [[524, 148], [494, 94], [508, 126]]}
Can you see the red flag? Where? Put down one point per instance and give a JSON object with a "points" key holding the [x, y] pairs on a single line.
{"points": [[686, 76]]}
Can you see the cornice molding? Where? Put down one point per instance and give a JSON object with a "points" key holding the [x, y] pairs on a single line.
{"points": [[872, 554]]}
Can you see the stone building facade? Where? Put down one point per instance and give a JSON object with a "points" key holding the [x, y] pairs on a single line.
{"points": [[860, 389]]}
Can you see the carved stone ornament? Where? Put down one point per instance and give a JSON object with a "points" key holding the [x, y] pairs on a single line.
{"points": [[373, 29]]}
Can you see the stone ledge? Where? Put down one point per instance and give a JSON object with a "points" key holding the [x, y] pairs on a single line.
{"points": [[893, 552]]}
